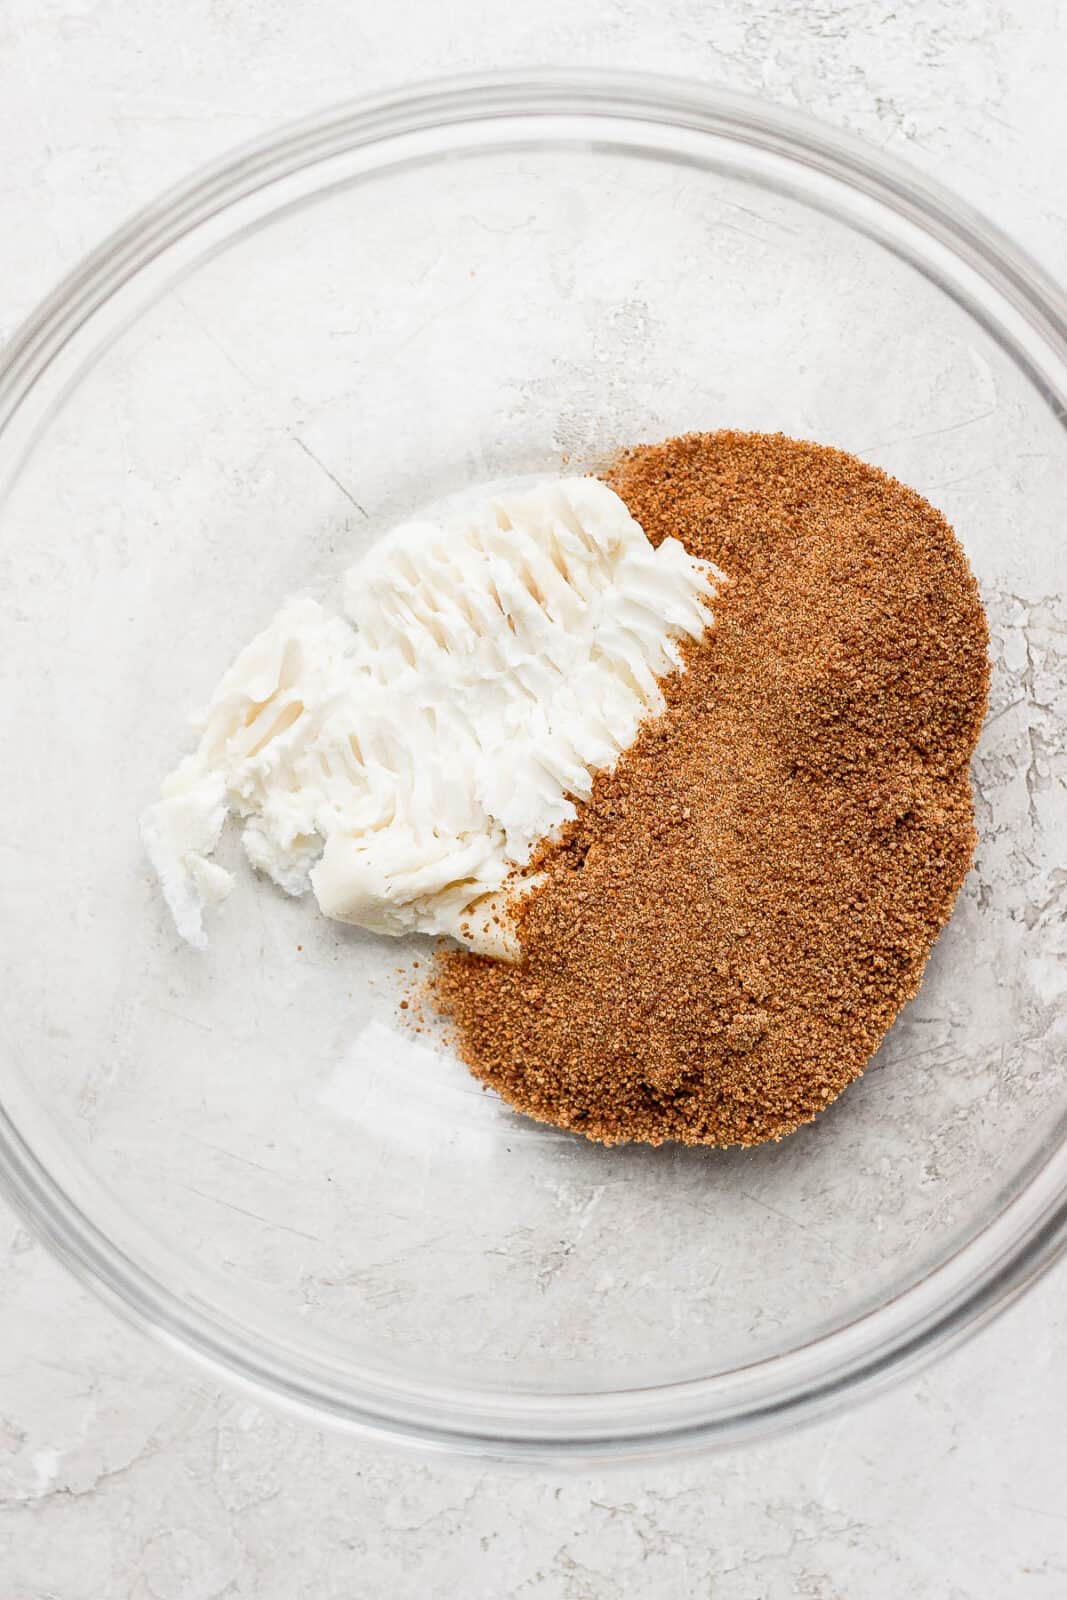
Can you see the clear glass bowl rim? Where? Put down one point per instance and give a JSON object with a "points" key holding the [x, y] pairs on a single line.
{"points": [[928, 1317]]}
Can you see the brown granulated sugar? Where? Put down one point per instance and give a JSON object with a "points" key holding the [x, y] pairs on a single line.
{"points": [[736, 916]]}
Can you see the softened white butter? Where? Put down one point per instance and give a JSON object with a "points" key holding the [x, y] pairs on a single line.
{"points": [[406, 760]]}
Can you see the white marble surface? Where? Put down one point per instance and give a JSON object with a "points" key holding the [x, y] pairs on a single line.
{"points": [[123, 1474]]}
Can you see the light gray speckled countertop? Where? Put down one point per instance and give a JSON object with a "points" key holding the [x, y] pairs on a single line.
{"points": [[122, 1473]]}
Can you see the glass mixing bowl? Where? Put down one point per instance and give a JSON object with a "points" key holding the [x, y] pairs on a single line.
{"points": [[236, 394]]}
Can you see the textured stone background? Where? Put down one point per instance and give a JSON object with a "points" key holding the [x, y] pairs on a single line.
{"points": [[122, 1474]]}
